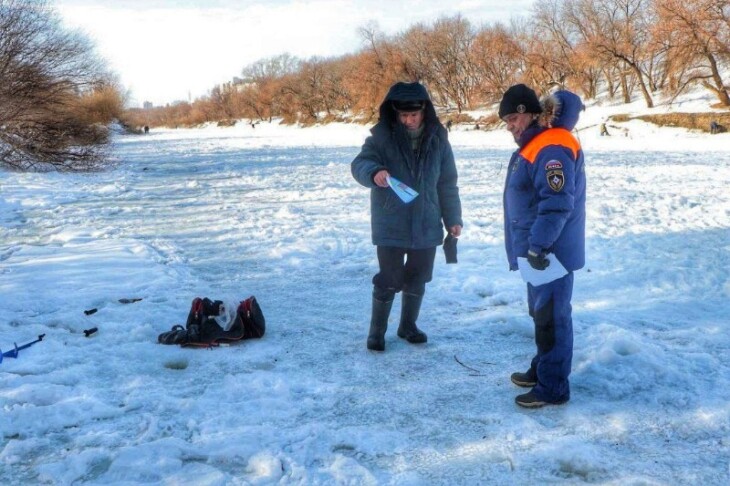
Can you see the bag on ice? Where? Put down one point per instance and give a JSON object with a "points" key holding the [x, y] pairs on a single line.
{"points": [[203, 328]]}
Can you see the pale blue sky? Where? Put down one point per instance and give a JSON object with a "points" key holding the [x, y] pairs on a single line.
{"points": [[175, 50]]}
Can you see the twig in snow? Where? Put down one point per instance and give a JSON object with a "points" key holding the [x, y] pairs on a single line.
{"points": [[479, 372]]}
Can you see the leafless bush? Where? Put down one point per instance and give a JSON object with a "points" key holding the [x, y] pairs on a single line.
{"points": [[694, 121], [47, 74], [104, 104]]}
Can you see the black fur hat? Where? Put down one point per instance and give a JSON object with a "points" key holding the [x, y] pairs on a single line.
{"points": [[408, 105]]}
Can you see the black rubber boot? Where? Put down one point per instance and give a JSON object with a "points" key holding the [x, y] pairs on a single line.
{"points": [[382, 303], [411, 306]]}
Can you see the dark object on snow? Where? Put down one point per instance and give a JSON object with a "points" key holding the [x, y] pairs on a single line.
{"points": [[91, 311], [203, 330], [130, 301], [176, 335], [450, 248], [716, 127], [89, 332], [14, 352]]}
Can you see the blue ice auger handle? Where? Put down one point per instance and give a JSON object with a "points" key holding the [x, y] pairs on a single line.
{"points": [[14, 353]]}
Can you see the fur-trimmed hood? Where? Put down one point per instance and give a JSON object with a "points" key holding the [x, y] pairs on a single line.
{"points": [[560, 109]]}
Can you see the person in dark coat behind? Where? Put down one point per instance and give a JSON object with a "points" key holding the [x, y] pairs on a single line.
{"points": [[544, 214], [410, 144]]}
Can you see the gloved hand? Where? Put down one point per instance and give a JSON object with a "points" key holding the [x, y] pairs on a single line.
{"points": [[537, 260]]}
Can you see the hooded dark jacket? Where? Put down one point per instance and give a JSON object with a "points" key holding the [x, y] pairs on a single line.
{"points": [[430, 170], [545, 190]]}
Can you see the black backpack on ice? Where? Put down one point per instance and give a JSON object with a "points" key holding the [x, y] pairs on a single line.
{"points": [[201, 328]]}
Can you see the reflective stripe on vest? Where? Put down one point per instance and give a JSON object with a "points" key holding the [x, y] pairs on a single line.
{"points": [[552, 136]]}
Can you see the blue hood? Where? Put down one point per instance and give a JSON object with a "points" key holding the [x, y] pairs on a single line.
{"points": [[562, 109]]}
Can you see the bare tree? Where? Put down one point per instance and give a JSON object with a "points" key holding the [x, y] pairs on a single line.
{"points": [[555, 54], [617, 31], [305, 90], [372, 37], [104, 103], [44, 72], [226, 100], [721, 12], [414, 46], [373, 70], [336, 97], [262, 91], [694, 32], [498, 61], [450, 73]]}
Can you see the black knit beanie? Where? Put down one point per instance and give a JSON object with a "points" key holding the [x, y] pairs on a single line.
{"points": [[519, 99]]}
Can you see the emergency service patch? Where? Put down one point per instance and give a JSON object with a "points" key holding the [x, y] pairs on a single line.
{"points": [[554, 165], [556, 180]]}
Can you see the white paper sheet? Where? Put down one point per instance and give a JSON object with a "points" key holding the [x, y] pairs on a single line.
{"points": [[535, 277], [405, 193]]}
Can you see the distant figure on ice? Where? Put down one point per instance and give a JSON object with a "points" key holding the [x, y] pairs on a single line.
{"points": [[714, 127], [604, 130], [146, 129], [410, 144], [448, 125]]}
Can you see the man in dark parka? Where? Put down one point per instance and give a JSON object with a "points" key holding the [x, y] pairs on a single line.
{"points": [[410, 144]]}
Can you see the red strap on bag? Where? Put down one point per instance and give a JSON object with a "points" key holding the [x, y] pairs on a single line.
{"points": [[197, 308]]}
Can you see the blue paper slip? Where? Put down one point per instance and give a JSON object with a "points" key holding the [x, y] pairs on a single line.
{"points": [[405, 193]]}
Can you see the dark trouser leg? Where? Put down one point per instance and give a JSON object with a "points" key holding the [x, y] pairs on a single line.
{"points": [[410, 276], [382, 303], [392, 268], [551, 311]]}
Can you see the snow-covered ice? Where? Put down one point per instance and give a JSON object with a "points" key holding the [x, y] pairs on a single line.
{"points": [[274, 212]]}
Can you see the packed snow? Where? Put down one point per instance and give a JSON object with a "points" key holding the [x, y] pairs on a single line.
{"points": [[273, 211]]}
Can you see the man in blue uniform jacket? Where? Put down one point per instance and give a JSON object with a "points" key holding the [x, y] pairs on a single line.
{"points": [[544, 213]]}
